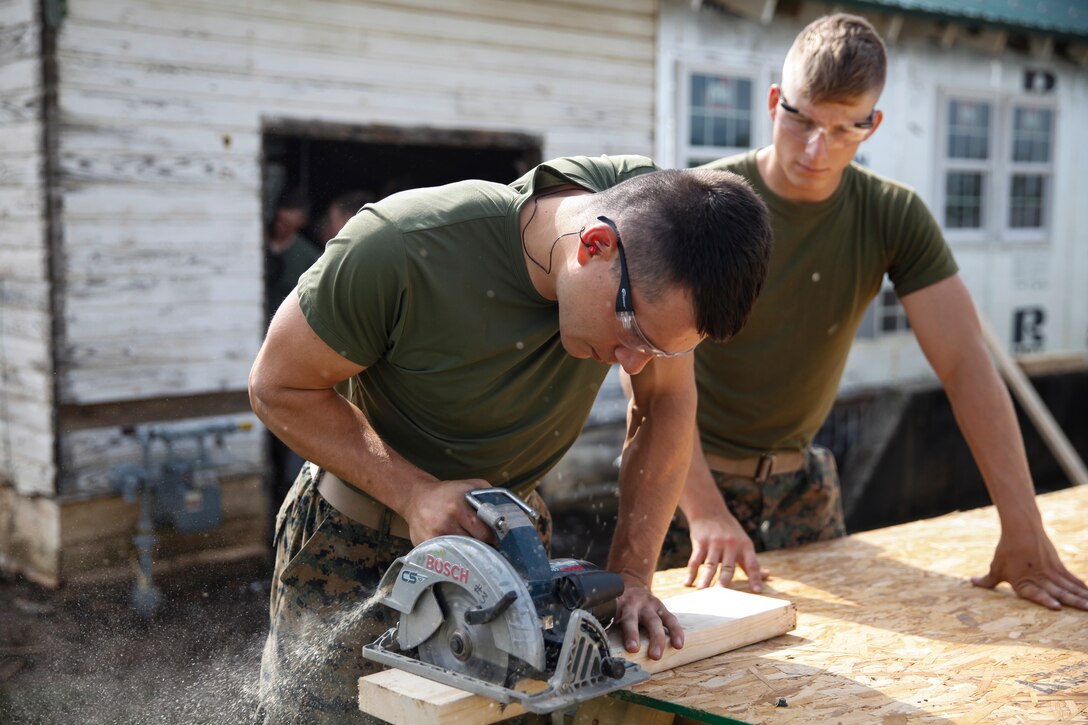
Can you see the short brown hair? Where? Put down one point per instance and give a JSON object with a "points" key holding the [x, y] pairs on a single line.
{"points": [[838, 58], [704, 230]]}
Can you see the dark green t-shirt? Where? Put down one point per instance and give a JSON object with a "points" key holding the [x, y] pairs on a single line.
{"points": [[466, 375], [771, 387]]}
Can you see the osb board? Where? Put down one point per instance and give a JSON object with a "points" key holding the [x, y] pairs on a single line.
{"points": [[714, 620], [890, 629]]}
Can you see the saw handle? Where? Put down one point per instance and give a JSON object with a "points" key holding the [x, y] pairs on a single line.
{"points": [[477, 497], [483, 616]]}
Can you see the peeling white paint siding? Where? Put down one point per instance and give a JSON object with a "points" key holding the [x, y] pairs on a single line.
{"points": [[162, 213], [26, 374]]}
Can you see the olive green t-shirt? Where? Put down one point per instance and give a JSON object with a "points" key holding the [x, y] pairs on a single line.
{"points": [[771, 387], [465, 375]]}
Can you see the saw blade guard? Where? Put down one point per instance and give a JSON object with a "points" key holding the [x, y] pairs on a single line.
{"points": [[408, 587]]}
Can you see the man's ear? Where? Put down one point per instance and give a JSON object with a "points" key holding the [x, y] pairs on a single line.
{"points": [[596, 240], [772, 99], [878, 116]]}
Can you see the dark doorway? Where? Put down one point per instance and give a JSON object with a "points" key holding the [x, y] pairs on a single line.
{"points": [[320, 163], [326, 160]]}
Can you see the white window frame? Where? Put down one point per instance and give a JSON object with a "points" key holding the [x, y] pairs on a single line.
{"points": [[686, 153], [872, 325], [1045, 169], [998, 170]]}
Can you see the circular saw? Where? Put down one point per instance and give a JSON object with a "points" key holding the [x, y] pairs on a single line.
{"points": [[485, 619]]}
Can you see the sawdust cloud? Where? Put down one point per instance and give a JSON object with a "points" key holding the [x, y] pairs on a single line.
{"points": [[94, 661]]}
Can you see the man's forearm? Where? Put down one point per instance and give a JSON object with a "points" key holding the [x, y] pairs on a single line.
{"points": [[651, 480]]}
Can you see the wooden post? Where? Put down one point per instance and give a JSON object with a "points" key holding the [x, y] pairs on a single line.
{"points": [[1036, 409]]}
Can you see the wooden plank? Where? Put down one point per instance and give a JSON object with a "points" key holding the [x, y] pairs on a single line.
{"points": [[19, 107], [16, 13], [21, 202], [88, 457], [19, 74], [1052, 363], [451, 105], [344, 30], [271, 25], [140, 203], [27, 262], [23, 137], [402, 698], [20, 169], [116, 413], [715, 620], [387, 58], [1035, 408], [99, 385]]}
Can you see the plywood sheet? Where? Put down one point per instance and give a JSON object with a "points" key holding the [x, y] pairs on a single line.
{"points": [[714, 621], [890, 629]]}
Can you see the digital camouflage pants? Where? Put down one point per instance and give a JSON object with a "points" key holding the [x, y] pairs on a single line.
{"points": [[327, 566], [786, 510]]}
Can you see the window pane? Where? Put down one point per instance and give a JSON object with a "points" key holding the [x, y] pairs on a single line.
{"points": [[1026, 201], [963, 200], [723, 106], [1031, 131], [867, 328], [698, 129], [968, 130]]}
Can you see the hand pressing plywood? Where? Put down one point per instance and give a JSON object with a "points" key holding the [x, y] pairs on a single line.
{"points": [[715, 620]]}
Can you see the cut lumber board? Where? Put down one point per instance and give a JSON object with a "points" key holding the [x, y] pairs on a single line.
{"points": [[715, 620]]}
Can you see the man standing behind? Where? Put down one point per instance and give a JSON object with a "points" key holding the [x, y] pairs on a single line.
{"points": [[474, 324], [838, 229]]}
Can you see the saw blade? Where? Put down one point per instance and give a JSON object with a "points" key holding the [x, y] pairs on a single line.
{"points": [[461, 647]]}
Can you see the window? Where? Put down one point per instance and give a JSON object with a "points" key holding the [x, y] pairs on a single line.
{"points": [[885, 316], [716, 115], [997, 164]]}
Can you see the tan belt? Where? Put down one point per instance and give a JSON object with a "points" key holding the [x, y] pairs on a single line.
{"points": [[758, 468], [356, 506]]}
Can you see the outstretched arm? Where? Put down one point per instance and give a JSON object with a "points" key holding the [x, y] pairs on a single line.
{"points": [[717, 538], [947, 327], [655, 460], [291, 391]]}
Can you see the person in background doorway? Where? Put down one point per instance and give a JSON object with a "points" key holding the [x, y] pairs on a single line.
{"points": [[287, 252], [342, 208], [756, 482]]}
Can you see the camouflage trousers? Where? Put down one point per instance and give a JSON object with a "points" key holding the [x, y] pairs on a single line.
{"points": [[786, 510], [327, 567]]}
